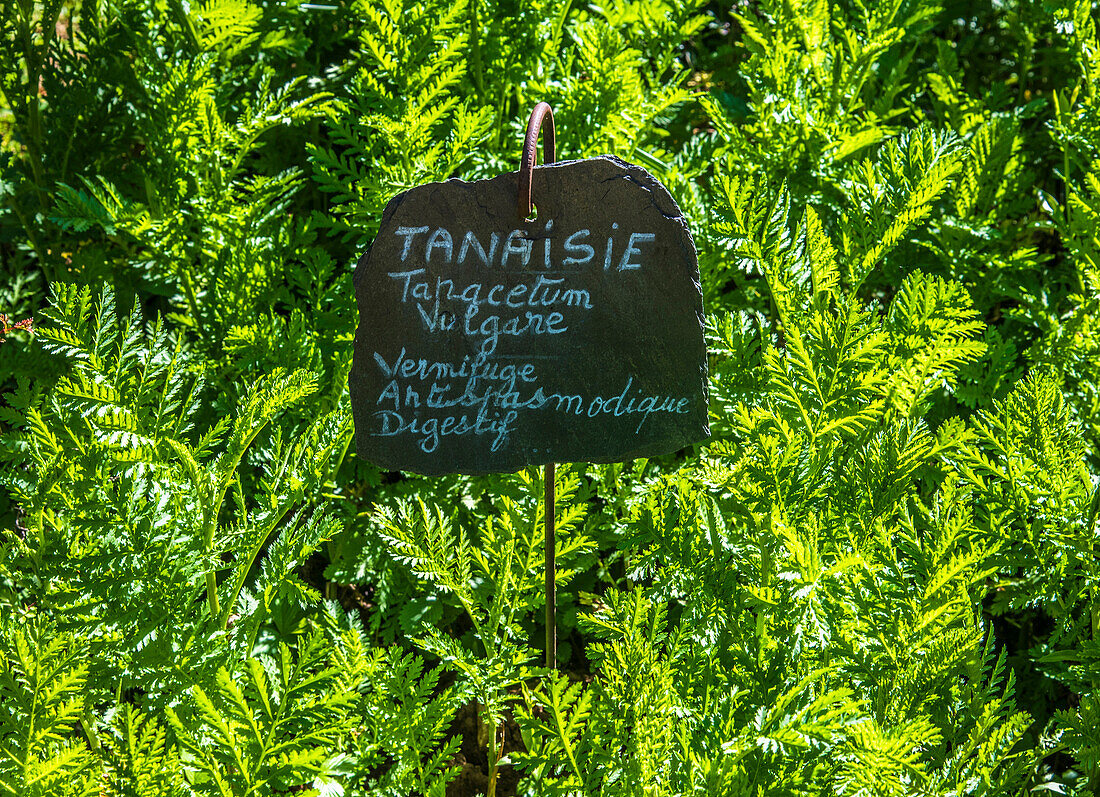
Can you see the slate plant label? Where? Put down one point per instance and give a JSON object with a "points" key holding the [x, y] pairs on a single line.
{"points": [[486, 344]]}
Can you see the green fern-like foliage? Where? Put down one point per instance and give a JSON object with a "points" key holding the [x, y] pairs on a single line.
{"points": [[196, 212], [138, 759], [878, 577], [42, 675], [403, 102], [836, 654], [436, 89], [822, 84], [494, 579], [1080, 728], [268, 727], [120, 485], [826, 613], [405, 719], [1039, 497]]}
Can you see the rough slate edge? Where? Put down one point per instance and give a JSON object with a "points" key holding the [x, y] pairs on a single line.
{"points": [[661, 200]]}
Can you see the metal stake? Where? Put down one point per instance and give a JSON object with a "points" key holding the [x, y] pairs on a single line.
{"points": [[540, 114], [551, 570]]}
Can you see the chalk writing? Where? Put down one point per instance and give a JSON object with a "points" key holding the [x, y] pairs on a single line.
{"points": [[495, 407], [519, 246], [434, 300], [486, 345]]}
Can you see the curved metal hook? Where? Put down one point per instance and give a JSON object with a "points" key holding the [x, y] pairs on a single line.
{"points": [[540, 114]]}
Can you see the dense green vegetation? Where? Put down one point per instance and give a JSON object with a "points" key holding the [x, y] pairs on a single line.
{"points": [[879, 577]]}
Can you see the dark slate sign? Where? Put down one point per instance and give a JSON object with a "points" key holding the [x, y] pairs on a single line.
{"points": [[486, 344]]}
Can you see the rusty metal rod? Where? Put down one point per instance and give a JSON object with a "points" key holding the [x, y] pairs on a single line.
{"points": [[542, 114], [539, 116], [551, 570]]}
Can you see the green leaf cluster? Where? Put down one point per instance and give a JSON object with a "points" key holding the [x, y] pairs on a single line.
{"points": [[879, 577]]}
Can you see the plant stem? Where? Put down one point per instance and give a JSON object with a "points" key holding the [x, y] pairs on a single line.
{"points": [[212, 594], [192, 302], [491, 788], [211, 578], [87, 721]]}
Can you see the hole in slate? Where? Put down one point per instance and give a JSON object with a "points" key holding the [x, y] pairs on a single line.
{"points": [[534, 214]]}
